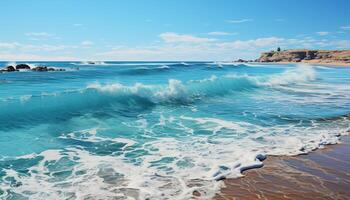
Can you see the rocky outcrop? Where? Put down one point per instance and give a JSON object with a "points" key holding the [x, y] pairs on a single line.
{"points": [[27, 67], [243, 61], [45, 69], [308, 56], [8, 69], [22, 66]]}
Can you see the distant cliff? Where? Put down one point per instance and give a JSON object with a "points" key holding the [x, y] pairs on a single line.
{"points": [[307, 56]]}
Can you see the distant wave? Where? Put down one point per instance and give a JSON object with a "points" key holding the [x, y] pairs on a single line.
{"points": [[144, 70], [125, 64], [90, 63]]}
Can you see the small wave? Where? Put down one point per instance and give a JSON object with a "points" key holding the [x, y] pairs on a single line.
{"points": [[122, 64], [164, 67], [181, 64], [145, 70], [300, 74], [90, 63], [322, 67]]}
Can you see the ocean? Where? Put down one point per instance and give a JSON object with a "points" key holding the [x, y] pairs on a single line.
{"points": [[159, 130]]}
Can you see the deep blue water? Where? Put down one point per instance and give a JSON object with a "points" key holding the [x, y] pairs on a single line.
{"points": [[159, 130]]}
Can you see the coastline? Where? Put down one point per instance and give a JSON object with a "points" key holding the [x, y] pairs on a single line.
{"points": [[328, 64], [321, 174]]}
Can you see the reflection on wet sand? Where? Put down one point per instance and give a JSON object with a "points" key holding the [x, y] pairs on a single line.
{"points": [[323, 174]]}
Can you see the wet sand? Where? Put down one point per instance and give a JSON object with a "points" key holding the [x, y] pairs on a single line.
{"points": [[322, 174], [311, 62]]}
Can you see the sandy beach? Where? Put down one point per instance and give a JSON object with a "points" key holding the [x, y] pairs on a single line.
{"points": [[329, 64], [322, 174], [315, 62]]}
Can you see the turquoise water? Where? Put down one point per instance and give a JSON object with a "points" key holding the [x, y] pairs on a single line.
{"points": [[159, 130]]}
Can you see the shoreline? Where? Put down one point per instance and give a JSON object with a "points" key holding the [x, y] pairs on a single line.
{"points": [[320, 174], [334, 64]]}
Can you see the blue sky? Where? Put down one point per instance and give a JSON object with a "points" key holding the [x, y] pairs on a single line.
{"points": [[168, 30]]}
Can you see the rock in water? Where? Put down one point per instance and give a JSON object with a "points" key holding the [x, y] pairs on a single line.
{"points": [[22, 66], [45, 69], [9, 69]]}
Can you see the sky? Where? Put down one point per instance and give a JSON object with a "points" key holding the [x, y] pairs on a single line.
{"points": [[166, 30]]}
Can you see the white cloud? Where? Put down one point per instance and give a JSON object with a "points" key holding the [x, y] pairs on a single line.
{"points": [[173, 46], [78, 25], [35, 57], [253, 44], [345, 27], [194, 51], [215, 50], [323, 33], [238, 21], [31, 47], [171, 37], [39, 34], [46, 47], [87, 43], [8, 45], [340, 44], [219, 33]]}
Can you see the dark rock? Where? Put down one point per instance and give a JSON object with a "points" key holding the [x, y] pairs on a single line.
{"points": [[22, 66], [46, 69], [9, 69], [296, 60], [196, 193], [241, 60], [40, 69]]}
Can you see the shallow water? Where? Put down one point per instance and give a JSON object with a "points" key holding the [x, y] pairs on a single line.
{"points": [[159, 130]]}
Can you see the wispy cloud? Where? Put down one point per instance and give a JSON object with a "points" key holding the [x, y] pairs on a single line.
{"points": [[345, 27], [323, 33], [253, 44], [279, 20], [220, 33], [8, 45], [171, 37], [213, 50], [39, 34], [78, 25], [87, 43], [31, 47], [182, 48], [238, 21]]}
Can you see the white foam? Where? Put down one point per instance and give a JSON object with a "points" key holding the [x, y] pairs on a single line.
{"points": [[164, 67], [300, 74], [199, 160]]}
